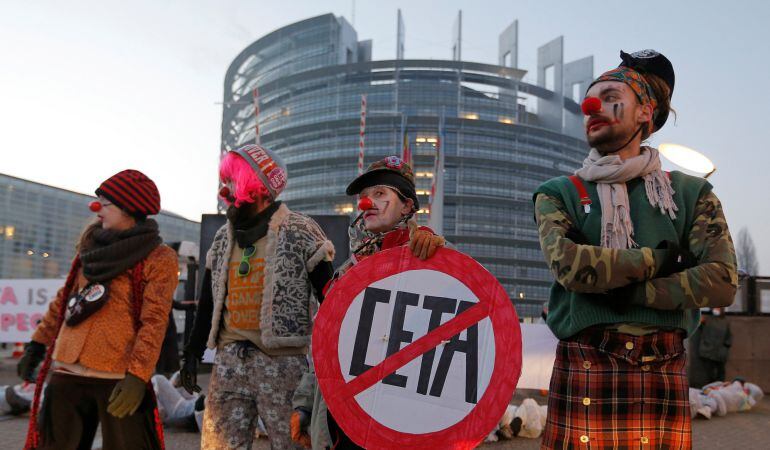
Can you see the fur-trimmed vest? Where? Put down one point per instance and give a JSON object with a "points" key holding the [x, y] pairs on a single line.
{"points": [[295, 245]]}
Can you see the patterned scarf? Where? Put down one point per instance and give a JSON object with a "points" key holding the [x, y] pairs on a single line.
{"points": [[611, 174], [364, 242]]}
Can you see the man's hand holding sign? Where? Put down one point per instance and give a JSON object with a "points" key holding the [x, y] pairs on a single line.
{"points": [[414, 353]]}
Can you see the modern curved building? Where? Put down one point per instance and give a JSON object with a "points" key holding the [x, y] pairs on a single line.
{"points": [[500, 136]]}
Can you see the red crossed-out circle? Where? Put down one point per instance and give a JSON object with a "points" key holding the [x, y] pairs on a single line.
{"points": [[339, 394]]}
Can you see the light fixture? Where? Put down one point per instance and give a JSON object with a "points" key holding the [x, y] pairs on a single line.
{"points": [[46, 255], [521, 295], [688, 159], [30, 253], [345, 208], [471, 116]]}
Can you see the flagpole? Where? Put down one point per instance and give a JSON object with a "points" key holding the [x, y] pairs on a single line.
{"points": [[436, 204], [361, 132], [255, 96]]}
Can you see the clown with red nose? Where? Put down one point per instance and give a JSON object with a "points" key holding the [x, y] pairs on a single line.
{"points": [[265, 270], [387, 202], [635, 253]]}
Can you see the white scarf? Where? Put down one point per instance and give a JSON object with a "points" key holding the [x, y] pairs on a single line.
{"points": [[611, 174]]}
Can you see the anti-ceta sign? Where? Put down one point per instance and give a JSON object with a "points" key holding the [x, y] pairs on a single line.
{"points": [[417, 354], [23, 302]]}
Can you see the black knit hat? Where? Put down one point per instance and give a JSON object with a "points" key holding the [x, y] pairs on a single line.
{"points": [[391, 171], [133, 192]]}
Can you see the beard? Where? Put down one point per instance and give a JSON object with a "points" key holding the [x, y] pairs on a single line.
{"points": [[610, 140]]}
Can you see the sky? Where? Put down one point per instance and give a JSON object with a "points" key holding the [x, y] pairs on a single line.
{"points": [[88, 88]]}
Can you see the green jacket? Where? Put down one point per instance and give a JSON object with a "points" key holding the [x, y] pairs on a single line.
{"points": [[585, 273]]}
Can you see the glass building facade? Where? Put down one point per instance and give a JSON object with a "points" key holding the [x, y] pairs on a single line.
{"points": [[40, 225], [309, 79]]}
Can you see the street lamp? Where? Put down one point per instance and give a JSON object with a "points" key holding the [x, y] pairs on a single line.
{"points": [[688, 158]]}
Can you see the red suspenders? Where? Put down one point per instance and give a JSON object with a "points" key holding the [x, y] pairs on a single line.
{"points": [[585, 200]]}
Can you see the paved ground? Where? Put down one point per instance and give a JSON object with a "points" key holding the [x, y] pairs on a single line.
{"points": [[745, 431]]}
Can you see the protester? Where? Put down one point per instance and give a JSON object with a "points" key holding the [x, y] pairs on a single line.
{"points": [[635, 252], [105, 327], [264, 271], [16, 400], [388, 202], [721, 398], [176, 406], [710, 347]]}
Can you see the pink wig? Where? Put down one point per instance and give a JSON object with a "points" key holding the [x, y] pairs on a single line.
{"points": [[247, 185]]}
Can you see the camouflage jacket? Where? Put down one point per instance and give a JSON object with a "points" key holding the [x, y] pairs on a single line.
{"points": [[591, 271]]}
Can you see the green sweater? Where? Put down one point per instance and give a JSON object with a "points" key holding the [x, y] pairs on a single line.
{"points": [[584, 273]]}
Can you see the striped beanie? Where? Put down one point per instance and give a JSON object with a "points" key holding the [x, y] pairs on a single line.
{"points": [[267, 165], [133, 192]]}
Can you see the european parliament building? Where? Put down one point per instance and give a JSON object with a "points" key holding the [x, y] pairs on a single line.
{"points": [[298, 91]]}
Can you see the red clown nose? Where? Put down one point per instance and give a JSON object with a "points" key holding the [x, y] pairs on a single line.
{"points": [[95, 206], [591, 105], [224, 192], [365, 204]]}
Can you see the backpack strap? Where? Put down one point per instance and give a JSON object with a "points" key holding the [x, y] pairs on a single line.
{"points": [[585, 200]]}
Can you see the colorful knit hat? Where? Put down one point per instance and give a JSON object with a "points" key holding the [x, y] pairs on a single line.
{"points": [[268, 167], [632, 79], [133, 192], [391, 171]]}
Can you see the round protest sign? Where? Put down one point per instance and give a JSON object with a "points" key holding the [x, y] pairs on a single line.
{"points": [[417, 354]]}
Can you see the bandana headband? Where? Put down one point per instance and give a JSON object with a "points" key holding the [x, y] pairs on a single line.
{"points": [[632, 79]]}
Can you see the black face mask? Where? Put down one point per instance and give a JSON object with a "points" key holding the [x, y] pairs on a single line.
{"points": [[249, 229]]}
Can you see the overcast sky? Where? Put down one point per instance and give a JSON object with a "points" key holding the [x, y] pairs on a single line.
{"points": [[88, 88]]}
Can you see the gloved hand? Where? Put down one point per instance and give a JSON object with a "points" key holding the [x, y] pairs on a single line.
{"points": [[300, 420], [577, 236], [189, 373], [126, 396], [675, 259], [34, 354], [424, 244], [620, 298]]}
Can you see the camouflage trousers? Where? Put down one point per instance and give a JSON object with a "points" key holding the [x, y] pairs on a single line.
{"points": [[245, 384]]}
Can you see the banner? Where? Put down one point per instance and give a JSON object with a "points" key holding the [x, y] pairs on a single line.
{"points": [[23, 302], [538, 355]]}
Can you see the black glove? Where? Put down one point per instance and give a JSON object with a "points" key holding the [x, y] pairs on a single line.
{"points": [[620, 298], [34, 354], [126, 396], [188, 374], [577, 236], [675, 259]]}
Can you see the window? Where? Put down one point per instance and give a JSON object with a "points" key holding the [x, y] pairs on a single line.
{"points": [[550, 78]]}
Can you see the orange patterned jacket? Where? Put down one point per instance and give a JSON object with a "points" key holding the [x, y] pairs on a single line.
{"points": [[108, 341]]}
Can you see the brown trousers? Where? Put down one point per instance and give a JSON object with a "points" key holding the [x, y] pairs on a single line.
{"points": [[73, 408]]}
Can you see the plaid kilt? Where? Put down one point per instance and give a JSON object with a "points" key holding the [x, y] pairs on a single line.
{"points": [[614, 390]]}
